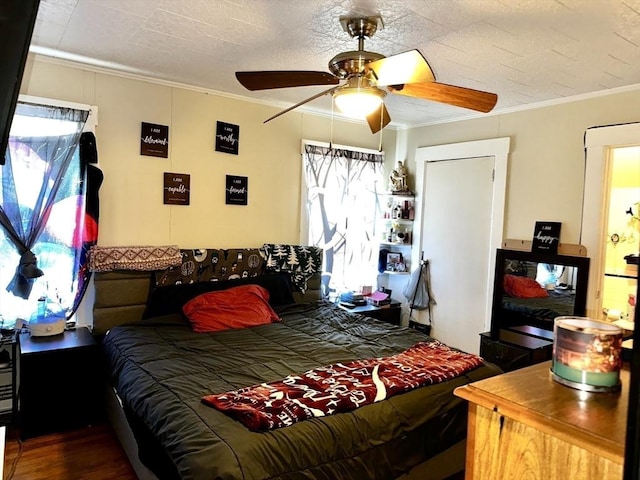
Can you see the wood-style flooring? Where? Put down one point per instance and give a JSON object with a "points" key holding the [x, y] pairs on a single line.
{"points": [[91, 453]]}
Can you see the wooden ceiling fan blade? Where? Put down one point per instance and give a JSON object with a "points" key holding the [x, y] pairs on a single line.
{"points": [[407, 67], [449, 94], [378, 119], [307, 100], [266, 80]]}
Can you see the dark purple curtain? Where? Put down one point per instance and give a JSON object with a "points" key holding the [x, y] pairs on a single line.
{"points": [[24, 226]]}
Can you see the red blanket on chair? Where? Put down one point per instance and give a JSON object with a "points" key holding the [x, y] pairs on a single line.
{"points": [[342, 387]]}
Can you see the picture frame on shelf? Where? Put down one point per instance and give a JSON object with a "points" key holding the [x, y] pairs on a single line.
{"points": [[395, 262]]}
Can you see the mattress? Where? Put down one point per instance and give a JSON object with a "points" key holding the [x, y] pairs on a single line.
{"points": [[161, 370]]}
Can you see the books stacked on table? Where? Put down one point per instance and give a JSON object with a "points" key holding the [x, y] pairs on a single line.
{"points": [[352, 298]]}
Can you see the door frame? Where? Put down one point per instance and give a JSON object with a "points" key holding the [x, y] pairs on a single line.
{"points": [[599, 143], [499, 148]]}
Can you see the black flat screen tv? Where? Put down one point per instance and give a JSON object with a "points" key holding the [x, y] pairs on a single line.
{"points": [[532, 288], [17, 19]]}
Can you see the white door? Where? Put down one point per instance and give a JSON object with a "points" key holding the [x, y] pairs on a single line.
{"points": [[457, 215]]}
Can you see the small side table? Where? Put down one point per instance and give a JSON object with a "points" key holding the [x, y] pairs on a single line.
{"points": [[513, 350], [388, 313], [60, 382]]}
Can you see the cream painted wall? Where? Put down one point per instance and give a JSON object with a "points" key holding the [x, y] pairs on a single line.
{"points": [[546, 167], [545, 179], [131, 208]]}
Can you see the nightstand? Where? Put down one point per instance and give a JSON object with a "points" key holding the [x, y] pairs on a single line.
{"points": [[60, 382], [513, 350], [388, 313]]}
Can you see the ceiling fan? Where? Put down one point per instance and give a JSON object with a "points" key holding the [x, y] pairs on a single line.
{"points": [[363, 73]]}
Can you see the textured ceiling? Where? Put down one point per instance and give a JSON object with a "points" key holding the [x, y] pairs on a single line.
{"points": [[526, 51]]}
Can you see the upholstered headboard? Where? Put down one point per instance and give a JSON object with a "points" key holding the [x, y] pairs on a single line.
{"points": [[121, 295]]}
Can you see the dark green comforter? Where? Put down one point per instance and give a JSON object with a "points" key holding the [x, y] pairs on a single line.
{"points": [[161, 370]]}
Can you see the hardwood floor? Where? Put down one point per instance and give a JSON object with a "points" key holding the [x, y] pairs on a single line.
{"points": [[91, 453]]}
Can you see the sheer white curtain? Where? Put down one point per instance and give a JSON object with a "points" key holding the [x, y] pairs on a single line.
{"points": [[43, 191], [343, 204]]}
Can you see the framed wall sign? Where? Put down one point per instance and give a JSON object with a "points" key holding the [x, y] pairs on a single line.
{"points": [[177, 187], [237, 192], [154, 140], [227, 138], [546, 237]]}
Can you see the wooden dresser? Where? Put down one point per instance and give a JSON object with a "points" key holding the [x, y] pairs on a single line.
{"points": [[525, 425]]}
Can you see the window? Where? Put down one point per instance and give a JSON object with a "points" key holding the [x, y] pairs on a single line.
{"points": [[42, 210], [343, 191]]}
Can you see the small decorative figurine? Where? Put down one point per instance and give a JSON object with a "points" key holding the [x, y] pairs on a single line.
{"points": [[398, 179]]}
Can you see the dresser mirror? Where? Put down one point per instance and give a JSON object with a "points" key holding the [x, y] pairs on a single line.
{"points": [[532, 288]]}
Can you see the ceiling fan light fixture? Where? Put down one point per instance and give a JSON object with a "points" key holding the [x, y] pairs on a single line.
{"points": [[358, 101]]}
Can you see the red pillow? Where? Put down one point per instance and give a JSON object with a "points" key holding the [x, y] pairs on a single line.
{"points": [[523, 287], [237, 307]]}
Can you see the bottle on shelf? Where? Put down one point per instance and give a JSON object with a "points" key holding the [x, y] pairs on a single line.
{"points": [[405, 210]]}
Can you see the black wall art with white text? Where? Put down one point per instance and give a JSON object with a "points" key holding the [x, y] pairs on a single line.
{"points": [[227, 138], [546, 237], [154, 140], [237, 192], [177, 188]]}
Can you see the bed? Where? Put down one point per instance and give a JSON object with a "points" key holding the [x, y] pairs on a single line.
{"points": [[159, 370]]}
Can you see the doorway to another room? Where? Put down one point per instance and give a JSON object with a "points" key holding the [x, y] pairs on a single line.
{"points": [[608, 232]]}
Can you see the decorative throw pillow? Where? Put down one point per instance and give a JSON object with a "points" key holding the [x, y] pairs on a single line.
{"points": [[237, 307], [523, 287]]}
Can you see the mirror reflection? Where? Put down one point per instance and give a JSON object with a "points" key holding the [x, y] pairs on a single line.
{"points": [[534, 288]]}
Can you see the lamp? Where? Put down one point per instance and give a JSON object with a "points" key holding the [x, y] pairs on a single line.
{"points": [[358, 98]]}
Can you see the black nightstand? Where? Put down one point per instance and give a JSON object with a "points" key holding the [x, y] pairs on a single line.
{"points": [[388, 313], [513, 350], [60, 382]]}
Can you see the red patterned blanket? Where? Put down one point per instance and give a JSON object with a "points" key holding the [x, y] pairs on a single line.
{"points": [[342, 387]]}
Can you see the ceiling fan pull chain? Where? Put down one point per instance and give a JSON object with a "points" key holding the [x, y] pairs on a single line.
{"points": [[331, 131], [381, 127]]}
